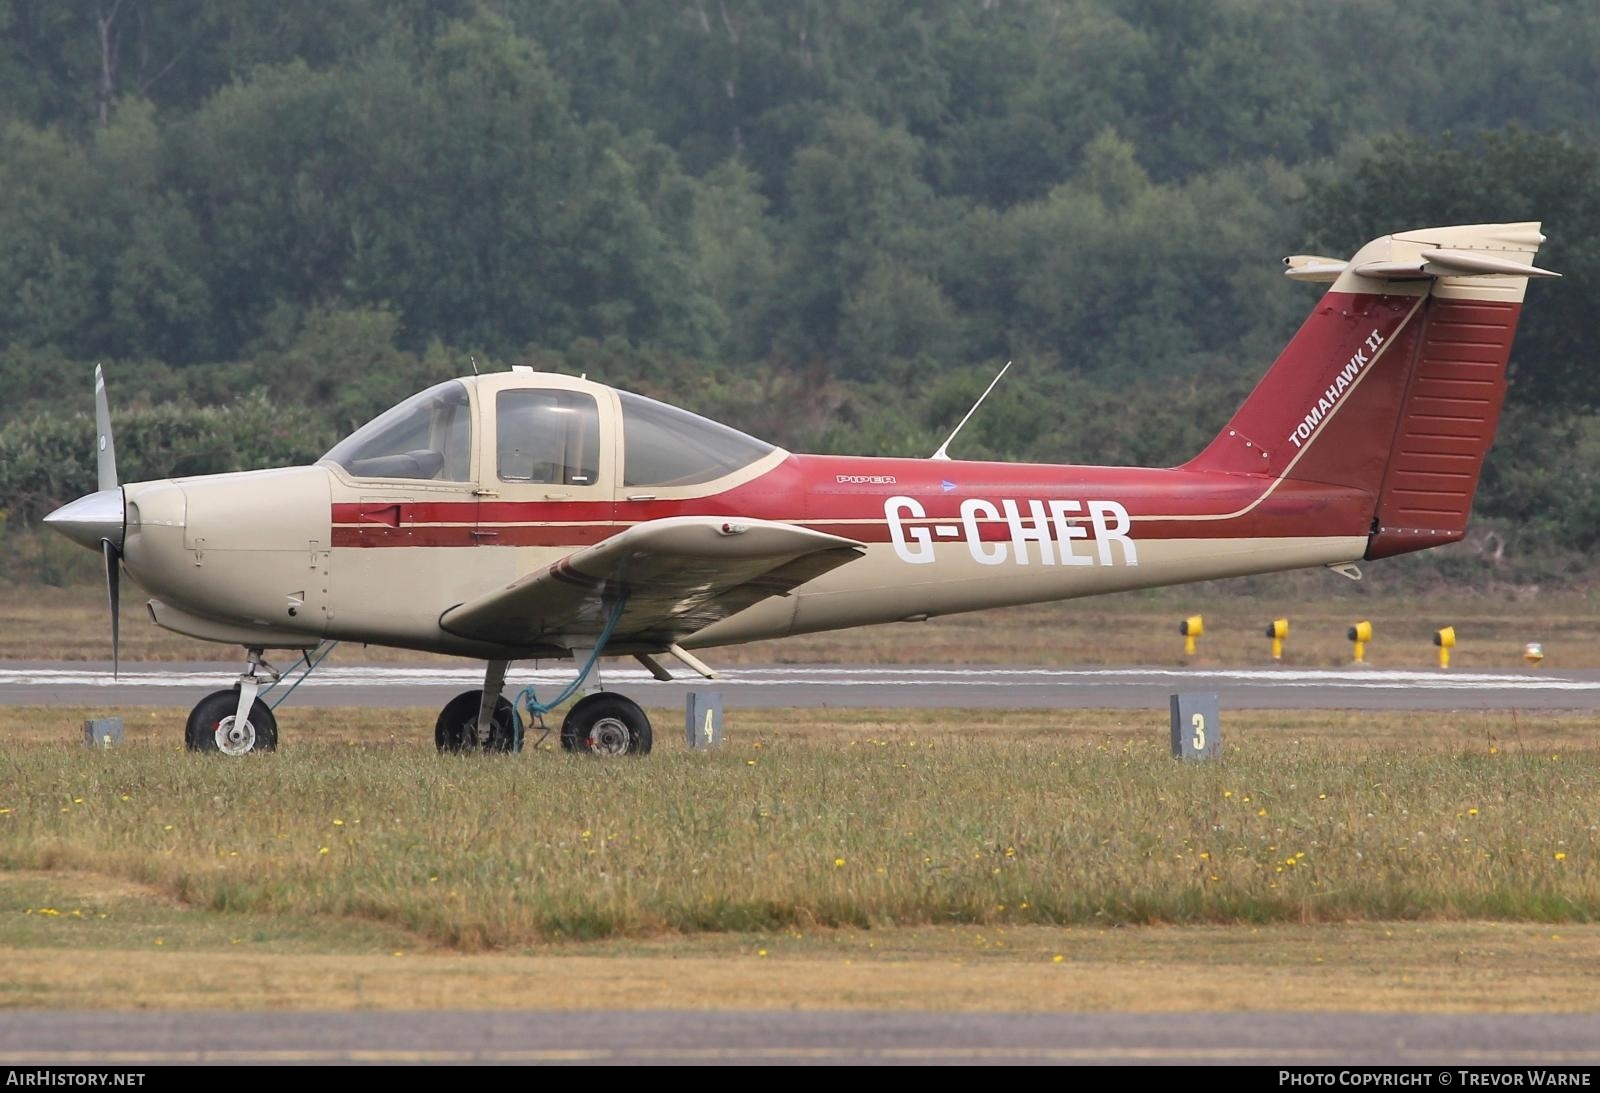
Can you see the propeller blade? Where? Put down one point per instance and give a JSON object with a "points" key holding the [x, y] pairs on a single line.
{"points": [[105, 449], [113, 558]]}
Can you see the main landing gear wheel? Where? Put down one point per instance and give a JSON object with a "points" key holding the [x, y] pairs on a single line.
{"points": [[457, 727], [606, 724], [211, 726]]}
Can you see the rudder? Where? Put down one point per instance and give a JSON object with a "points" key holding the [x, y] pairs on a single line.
{"points": [[1447, 424]]}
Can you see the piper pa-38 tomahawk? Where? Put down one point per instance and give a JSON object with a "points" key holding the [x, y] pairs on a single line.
{"points": [[525, 515]]}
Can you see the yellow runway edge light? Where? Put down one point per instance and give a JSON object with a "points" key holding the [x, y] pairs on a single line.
{"points": [[1446, 640], [1360, 634], [1191, 628], [1277, 630]]}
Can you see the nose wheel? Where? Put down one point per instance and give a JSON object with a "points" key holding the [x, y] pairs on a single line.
{"points": [[214, 726], [606, 723]]}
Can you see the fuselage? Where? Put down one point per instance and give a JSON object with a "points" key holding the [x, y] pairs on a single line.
{"points": [[285, 558]]}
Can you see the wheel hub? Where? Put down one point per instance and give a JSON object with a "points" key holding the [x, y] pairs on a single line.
{"points": [[609, 737], [235, 740]]}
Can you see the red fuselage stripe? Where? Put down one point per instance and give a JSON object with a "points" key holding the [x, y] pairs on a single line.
{"points": [[1162, 504]]}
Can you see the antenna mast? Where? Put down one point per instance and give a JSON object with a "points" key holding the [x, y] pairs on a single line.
{"points": [[943, 453]]}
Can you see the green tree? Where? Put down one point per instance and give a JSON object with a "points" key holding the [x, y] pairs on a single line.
{"points": [[491, 217], [1115, 274], [735, 257], [101, 257], [857, 199]]}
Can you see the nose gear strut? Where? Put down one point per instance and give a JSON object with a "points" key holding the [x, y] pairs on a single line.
{"points": [[255, 668]]}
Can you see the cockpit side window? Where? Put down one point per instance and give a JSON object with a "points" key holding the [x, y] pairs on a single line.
{"points": [[428, 436], [547, 436], [665, 446]]}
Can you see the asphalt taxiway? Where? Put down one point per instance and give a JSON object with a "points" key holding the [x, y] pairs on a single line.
{"points": [[654, 1037], [841, 686]]}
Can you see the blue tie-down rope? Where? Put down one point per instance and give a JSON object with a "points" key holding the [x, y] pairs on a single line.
{"points": [[528, 699]]}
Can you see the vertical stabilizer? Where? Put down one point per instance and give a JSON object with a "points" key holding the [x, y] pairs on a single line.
{"points": [[1393, 385]]}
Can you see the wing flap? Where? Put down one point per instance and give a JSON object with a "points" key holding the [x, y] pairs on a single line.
{"points": [[678, 575]]}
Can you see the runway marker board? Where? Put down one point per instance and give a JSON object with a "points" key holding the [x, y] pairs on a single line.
{"points": [[1196, 726]]}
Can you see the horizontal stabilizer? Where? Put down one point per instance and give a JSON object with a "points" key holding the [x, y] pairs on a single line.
{"points": [[1492, 250], [1313, 267], [1452, 263]]}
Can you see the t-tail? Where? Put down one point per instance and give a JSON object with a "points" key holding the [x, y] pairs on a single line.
{"points": [[1394, 384]]}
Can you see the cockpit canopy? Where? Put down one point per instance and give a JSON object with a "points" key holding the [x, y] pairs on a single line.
{"points": [[429, 435], [543, 432]]}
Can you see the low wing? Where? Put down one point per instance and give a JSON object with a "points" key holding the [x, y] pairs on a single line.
{"points": [[679, 575]]}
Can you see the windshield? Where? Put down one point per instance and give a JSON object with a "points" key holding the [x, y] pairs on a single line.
{"points": [[428, 436], [665, 446]]}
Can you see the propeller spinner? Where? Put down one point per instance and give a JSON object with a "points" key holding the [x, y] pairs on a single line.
{"points": [[99, 520]]}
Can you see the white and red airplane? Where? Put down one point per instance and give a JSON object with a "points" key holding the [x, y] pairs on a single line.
{"points": [[521, 515]]}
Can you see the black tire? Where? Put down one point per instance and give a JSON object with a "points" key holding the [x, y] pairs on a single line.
{"points": [[200, 733], [456, 731], [606, 724]]}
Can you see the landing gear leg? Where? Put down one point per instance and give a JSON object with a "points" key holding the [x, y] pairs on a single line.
{"points": [[480, 720], [494, 681], [589, 665], [250, 683]]}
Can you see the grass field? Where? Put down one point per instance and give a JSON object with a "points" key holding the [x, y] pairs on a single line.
{"points": [[116, 945], [38, 623], [1444, 861]]}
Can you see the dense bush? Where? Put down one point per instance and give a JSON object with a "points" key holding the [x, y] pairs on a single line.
{"points": [[50, 459]]}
